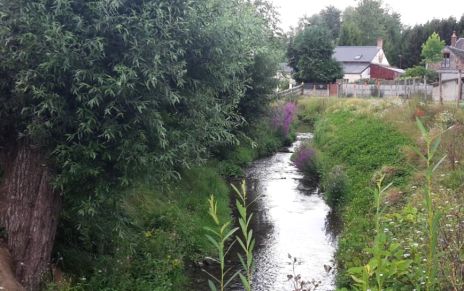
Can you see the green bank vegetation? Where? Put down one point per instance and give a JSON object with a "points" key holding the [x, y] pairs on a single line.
{"points": [[400, 192], [119, 119]]}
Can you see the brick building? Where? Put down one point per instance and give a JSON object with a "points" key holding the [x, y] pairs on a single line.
{"points": [[451, 71]]}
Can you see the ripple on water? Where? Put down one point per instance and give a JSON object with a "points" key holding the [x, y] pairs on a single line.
{"points": [[290, 218]]}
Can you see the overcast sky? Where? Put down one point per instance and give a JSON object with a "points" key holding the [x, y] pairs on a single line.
{"points": [[412, 12]]}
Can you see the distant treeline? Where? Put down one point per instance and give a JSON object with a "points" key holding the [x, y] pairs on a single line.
{"points": [[363, 24]]}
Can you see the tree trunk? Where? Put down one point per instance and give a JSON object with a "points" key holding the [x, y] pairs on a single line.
{"points": [[30, 209]]}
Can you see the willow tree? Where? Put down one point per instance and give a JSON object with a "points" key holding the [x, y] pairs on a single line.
{"points": [[95, 93]]}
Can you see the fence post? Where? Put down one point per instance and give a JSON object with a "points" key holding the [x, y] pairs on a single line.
{"points": [[459, 86], [440, 84], [425, 88], [302, 88]]}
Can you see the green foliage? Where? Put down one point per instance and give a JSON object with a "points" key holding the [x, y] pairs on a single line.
{"points": [[310, 55], [246, 240], [335, 186], [431, 49], [362, 144], [420, 71], [223, 238], [328, 18], [218, 237], [413, 37], [433, 215], [116, 90], [370, 19], [122, 93], [387, 264], [159, 234]]}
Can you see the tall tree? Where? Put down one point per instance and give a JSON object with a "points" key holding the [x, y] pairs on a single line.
{"points": [[369, 20], [413, 37], [310, 55], [331, 18], [97, 93], [431, 49]]}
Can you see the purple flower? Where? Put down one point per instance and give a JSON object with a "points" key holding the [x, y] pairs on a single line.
{"points": [[304, 157], [283, 117]]}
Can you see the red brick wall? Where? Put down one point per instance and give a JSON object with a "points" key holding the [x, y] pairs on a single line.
{"points": [[380, 72]]}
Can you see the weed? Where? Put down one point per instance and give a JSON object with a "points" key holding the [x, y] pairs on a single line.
{"points": [[296, 281], [335, 185], [218, 237], [433, 216], [222, 235], [246, 241]]}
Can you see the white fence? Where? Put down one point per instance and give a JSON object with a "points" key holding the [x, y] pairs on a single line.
{"points": [[401, 88]]}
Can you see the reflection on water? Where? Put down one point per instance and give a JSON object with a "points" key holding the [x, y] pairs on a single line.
{"points": [[289, 218]]}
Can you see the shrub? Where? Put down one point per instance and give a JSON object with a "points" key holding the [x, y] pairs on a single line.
{"points": [[304, 159], [335, 186], [283, 117]]}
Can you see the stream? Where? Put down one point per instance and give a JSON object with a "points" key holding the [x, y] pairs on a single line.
{"points": [[289, 217]]}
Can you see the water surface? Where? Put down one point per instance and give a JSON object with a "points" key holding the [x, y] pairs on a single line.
{"points": [[290, 217]]}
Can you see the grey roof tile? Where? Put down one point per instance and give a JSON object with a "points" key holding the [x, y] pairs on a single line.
{"points": [[460, 43], [456, 51], [359, 54]]}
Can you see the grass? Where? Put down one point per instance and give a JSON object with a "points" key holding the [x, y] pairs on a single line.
{"points": [[150, 238], [372, 138]]}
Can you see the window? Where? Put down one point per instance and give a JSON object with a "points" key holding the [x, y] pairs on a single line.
{"points": [[446, 60]]}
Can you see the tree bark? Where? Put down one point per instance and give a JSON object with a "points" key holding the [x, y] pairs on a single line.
{"points": [[30, 212]]}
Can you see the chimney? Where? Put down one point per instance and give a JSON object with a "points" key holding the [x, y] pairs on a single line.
{"points": [[380, 42], [453, 39]]}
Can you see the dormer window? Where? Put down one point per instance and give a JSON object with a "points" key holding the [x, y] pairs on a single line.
{"points": [[446, 60], [358, 57]]}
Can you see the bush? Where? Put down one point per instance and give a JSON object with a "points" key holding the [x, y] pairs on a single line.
{"points": [[304, 159], [335, 186]]}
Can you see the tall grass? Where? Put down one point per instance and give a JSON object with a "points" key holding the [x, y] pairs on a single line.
{"points": [[433, 216]]}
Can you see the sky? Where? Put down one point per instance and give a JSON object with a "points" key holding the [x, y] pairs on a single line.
{"points": [[412, 11]]}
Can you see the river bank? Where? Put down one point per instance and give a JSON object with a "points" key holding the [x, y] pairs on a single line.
{"points": [[377, 141]]}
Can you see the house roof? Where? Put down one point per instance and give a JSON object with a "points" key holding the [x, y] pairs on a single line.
{"points": [[458, 52], [460, 43], [354, 67], [357, 54], [398, 70]]}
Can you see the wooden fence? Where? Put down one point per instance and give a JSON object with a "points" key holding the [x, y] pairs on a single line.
{"points": [[295, 91]]}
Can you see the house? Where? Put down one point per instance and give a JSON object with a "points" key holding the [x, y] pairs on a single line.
{"points": [[284, 75], [450, 69], [365, 62]]}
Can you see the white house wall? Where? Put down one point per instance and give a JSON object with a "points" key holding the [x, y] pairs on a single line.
{"points": [[380, 59], [366, 74], [449, 91]]}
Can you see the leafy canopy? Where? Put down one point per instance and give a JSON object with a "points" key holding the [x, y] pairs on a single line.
{"points": [[431, 49], [310, 55], [113, 90]]}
